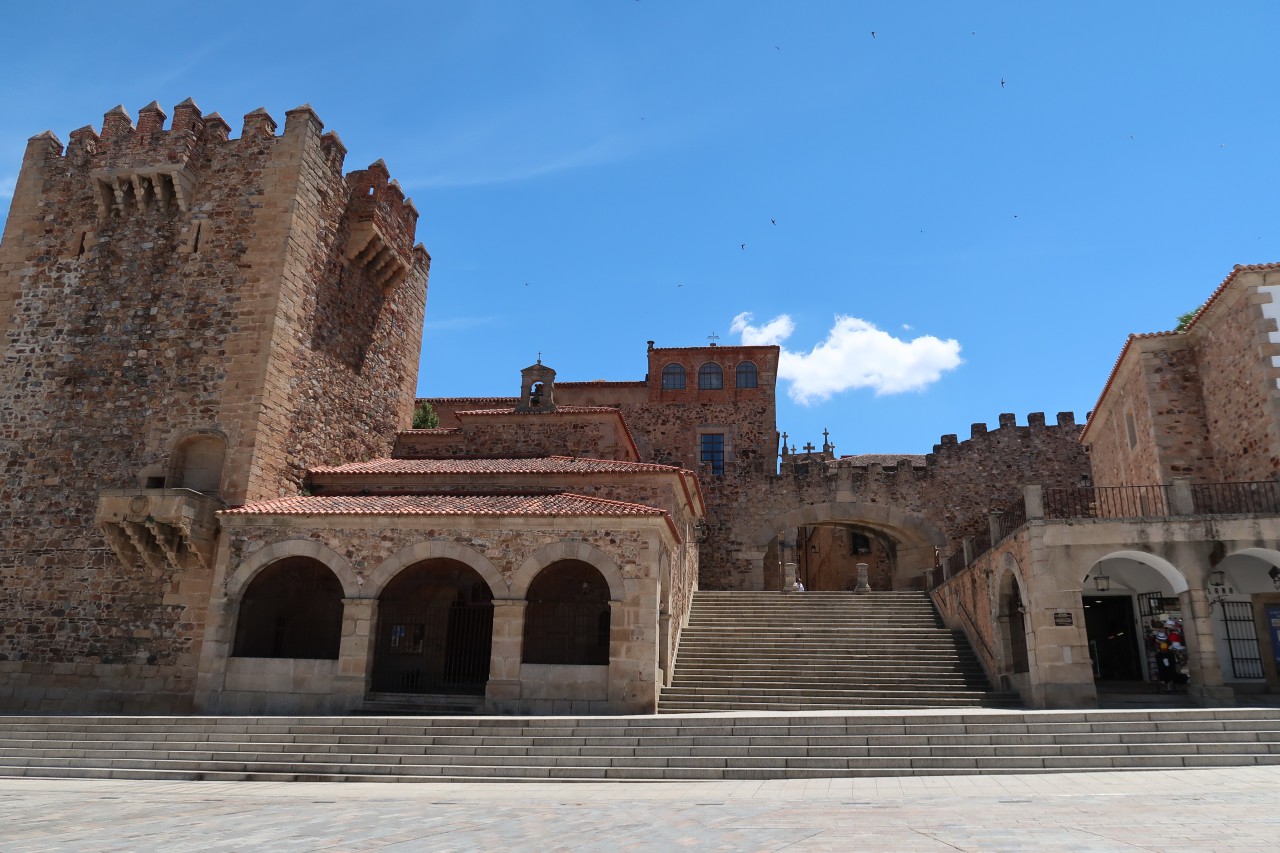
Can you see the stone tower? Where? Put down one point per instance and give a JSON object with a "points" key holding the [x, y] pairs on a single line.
{"points": [[187, 320]]}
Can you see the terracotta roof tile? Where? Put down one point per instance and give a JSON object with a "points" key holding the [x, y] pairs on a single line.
{"points": [[548, 505], [537, 465]]}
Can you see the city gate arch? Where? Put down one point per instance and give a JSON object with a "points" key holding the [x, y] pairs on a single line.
{"points": [[914, 539]]}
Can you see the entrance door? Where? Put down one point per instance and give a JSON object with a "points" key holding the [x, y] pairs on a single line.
{"points": [[435, 632], [1113, 638]]}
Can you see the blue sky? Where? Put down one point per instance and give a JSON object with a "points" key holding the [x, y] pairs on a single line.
{"points": [[938, 247]]}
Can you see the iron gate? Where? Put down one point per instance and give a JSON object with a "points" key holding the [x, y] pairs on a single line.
{"points": [[433, 648], [1242, 639]]}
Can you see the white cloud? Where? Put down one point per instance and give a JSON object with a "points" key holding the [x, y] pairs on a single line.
{"points": [[855, 354]]}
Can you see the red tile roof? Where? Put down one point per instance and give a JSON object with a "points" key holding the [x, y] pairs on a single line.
{"points": [[537, 465], [548, 505]]}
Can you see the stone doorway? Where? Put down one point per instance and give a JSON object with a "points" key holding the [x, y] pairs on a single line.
{"points": [[435, 631], [1113, 637]]}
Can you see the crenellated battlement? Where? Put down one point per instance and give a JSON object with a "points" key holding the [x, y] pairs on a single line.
{"points": [[382, 223], [144, 167], [1007, 423]]}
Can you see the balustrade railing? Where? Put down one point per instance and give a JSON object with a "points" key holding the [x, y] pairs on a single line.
{"points": [[1235, 498], [1107, 502], [1012, 517]]}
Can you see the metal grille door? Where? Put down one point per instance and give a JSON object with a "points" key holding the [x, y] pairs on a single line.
{"points": [[1242, 639], [433, 648]]}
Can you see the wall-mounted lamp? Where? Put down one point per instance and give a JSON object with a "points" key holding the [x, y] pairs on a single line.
{"points": [[814, 548], [1102, 582], [1217, 577], [701, 532]]}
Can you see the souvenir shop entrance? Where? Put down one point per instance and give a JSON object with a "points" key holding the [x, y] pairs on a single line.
{"points": [[1113, 637]]}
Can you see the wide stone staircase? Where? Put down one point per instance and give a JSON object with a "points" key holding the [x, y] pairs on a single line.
{"points": [[774, 651], [777, 746]]}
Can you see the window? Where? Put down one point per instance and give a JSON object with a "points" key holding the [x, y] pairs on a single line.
{"points": [[710, 377], [713, 451], [672, 377], [860, 543], [746, 377], [1131, 429]]}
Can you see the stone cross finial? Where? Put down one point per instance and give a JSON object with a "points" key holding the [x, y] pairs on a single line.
{"points": [[713, 337], [826, 445], [808, 447]]}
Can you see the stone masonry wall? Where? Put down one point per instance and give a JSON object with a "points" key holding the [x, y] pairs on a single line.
{"points": [[1158, 386], [1235, 358], [154, 283]]}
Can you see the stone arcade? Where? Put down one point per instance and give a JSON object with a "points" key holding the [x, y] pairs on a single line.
{"points": [[213, 501]]}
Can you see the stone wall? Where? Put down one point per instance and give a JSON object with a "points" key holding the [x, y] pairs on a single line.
{"points": [[1235, 356], [156, 284]]}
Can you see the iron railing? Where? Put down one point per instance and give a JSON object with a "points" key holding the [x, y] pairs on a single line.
{"points": [[1107, 502], [433, 648], [1235, 498], [1012, 517]]}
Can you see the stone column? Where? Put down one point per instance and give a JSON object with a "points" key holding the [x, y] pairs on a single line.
{"points": [[1033, 499], [502, 693], [355, 654], [788, 577], [214, 652], [664, 647], [864, 580], [633, 657], [1180, 500], [1206, 687]]}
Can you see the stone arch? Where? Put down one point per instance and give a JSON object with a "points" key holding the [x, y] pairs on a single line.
{"points": [[1161, 566], [548, 554], [1011, 607], [198, 461], [238, 581], [1250, 577], [383, 573], [908, 527]]}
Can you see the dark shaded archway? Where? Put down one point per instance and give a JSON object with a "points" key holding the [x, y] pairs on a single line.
{"points": [[435, 631], [567, 616], [291, 609]]}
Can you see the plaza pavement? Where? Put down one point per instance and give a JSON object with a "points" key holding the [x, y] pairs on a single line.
{"points": [[1186, 810]]}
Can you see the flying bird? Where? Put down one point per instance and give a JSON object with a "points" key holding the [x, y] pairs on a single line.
{"points": [[1001, 82], [774, 221], [743, 247], [873, 33]]}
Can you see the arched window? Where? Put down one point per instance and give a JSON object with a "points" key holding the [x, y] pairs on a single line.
{"points": [[672, 377], [566, 620], [710, 377], [197, 463], [292, 609], [746, 377]]}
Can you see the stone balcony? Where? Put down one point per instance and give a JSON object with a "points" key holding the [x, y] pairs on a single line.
{"points": [[174, 528]]}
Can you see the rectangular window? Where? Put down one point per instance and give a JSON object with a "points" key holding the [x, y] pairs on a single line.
{"points": [[713, 451], [1129, 426]]}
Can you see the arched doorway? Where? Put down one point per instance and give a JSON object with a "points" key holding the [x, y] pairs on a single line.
{"points": [[897, 546], [1129, 599], [1012, 628], [1244, 596], [435, 631]]}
